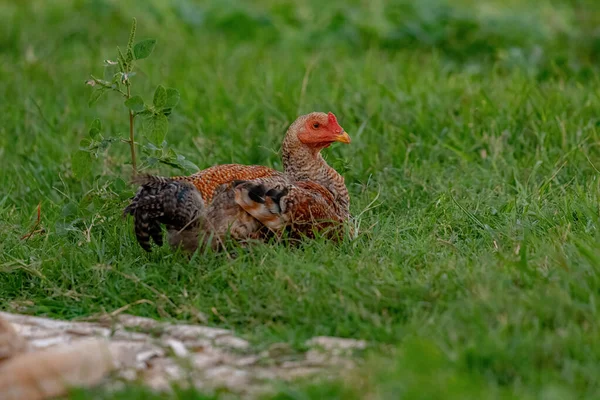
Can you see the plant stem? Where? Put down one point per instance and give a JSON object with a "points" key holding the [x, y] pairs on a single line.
{"points": [[131, 136]]}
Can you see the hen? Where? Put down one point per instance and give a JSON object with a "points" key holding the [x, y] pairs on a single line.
{"points": [[249, 202]]}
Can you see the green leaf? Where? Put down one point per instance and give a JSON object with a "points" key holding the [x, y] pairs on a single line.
{"points": [[135, 104], [97, 124], [144, 48], [152, 161], [145, 113], [121, 188], [95, 128], [160, 97], [173, 97], [156, 128], [81, 163], [85, 143], [96, 95], [94, 133], [149, 147], [186, 164]]}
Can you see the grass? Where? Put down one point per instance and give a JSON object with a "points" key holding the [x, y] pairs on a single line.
{"points": [[473, 173]]}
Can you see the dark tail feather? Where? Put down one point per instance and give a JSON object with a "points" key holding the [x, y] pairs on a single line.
{"points": [[159, 200], [142, 231], [156, 233]]}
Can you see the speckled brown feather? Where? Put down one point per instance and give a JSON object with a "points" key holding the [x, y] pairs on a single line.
{"points": [[208, 180], [244, 202], [301, 207]]}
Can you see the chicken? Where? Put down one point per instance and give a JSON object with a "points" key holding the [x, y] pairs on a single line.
{"points": [[249, 202]]}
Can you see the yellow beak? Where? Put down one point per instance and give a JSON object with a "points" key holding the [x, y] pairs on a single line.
{"points": [[343, 137]]}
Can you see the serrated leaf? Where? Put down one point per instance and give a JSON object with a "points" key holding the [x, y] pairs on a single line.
{"points": [[160, 97], [156, 128], [95, 128], [135, 104], [81, 163], [173, 97], [143, 48], [96, 95]]}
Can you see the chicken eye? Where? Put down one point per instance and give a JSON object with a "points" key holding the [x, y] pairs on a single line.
{"points": [[316, 125]]}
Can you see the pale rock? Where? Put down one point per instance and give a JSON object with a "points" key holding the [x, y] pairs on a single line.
{"points": [[336, 345], [88, 330], [206, 360], [197, 345], [299, 372], [187, 332], [144, 358], [133, 354], [122, 334], [152, 352], [246, 361], [49, 341], [178, 347], [131, 321], [227, 376], [232, 342]]}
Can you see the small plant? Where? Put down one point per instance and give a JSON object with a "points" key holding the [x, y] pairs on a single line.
{"points": [[117, 79]]}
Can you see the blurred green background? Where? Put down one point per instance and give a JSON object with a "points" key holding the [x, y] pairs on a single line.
{"points": [[473, 173], [220, 54]]}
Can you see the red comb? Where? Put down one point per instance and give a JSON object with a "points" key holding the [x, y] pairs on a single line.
{"points": [[333, 124], [332, 118]]}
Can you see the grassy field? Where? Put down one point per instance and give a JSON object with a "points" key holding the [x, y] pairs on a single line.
{"points": [[473, 173]]}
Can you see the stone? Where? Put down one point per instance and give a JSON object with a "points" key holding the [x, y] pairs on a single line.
{"points": [[40, 357], [336, 345], [232, 342], [178, 347]]}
